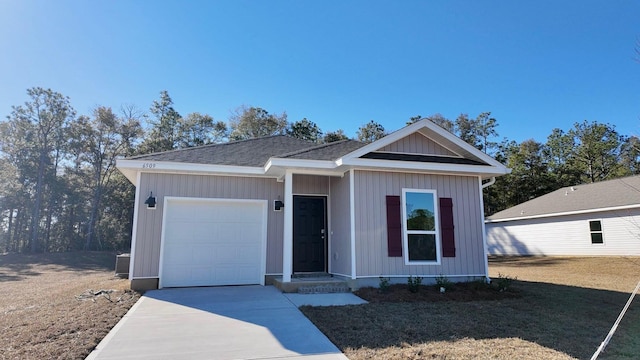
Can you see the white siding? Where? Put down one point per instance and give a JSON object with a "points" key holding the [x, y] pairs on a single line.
{"points": [[371, 189], [339, 235], [147, 251], [567, 235]]}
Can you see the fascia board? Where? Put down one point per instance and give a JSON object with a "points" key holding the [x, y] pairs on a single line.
{"points": [[179, 167], [437, 167], [299, 163], [566, 213]]}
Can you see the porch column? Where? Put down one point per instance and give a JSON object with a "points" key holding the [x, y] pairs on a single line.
{"points": [[287, 246]]}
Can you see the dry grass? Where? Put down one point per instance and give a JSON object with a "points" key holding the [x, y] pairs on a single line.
{"points": [[566, 317], [40, 314]]}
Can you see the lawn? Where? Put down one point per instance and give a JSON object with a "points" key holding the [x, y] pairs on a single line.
{"points": [[563, 309], [46, 309]]}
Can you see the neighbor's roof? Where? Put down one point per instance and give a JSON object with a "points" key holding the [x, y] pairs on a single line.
{"points": [[600, 196], [255, 152]]}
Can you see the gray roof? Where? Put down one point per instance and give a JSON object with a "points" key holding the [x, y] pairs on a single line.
{"points": [[255, 152], [576, 199]]}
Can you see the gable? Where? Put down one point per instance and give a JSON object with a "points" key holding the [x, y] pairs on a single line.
{"points": [[417, 143]]}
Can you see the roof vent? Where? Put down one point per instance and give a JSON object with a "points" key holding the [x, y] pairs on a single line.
{"points": [[521, 212], [573, 189]]}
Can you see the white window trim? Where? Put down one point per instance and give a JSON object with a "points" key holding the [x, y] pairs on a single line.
{"points": [[592, 232], [405, 232]]}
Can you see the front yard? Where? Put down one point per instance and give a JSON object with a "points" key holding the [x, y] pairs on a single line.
{"points": [[565, 309], [561, 308], [46, 311]]}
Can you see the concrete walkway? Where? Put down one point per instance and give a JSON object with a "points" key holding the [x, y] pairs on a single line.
{"points": [[232, 322]]}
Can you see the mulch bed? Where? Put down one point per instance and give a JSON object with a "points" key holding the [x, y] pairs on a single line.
{"points": [[470, 291]]}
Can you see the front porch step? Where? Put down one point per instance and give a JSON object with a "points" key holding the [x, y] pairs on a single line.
{"points": [[312, 285]]}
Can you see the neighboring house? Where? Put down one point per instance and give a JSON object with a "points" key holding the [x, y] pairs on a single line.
{"points": [[246, 212], [602, 218]]}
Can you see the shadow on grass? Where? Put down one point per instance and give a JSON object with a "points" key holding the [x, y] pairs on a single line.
{"points": [[520, 261], [568, 319], [15, 267]]}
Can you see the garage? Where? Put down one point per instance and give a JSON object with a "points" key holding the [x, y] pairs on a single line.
{"points": [[209, 242]]}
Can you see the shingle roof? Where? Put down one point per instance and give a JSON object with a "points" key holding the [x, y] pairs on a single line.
{"points": [[255, 152], [575, 199]]}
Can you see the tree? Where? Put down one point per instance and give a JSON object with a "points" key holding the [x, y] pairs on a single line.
{"points": [[98, 142], [478, 132], [305, 130], [255, 122], [197, 129], [437, 119], [165, 132], [333, 136], [630, 156], [597, 149], [34, 133], [371, 132]]}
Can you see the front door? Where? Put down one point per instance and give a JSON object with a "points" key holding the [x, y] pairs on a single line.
{"points": [[309, 234]]}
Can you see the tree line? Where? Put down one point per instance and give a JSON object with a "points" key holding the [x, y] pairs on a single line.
{"points": [[60, 190]]}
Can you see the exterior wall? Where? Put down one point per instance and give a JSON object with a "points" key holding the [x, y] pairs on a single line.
{"points": [[149, 222], [567, 235], [371, 189], [340, 227], [310, 185], [417, 144]]}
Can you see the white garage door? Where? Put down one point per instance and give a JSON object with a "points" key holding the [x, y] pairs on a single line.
{"points": [[213, 242]]}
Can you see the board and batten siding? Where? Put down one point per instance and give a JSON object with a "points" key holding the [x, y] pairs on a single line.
{"points": [[147, 242], [310, 185], [340, 231], [417, 144], [567, 235], [371, 189]]}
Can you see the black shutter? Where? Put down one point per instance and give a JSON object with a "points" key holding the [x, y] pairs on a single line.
{"points": [[446, 227], [394, 226]]}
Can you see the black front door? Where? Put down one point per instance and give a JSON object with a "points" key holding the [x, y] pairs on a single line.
{"points": [[309, 234]]}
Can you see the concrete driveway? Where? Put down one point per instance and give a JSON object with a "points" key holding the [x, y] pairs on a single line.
{"points": [[233, 322]]}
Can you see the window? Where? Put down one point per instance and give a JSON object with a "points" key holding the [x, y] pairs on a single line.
{"points": [[420, 227], [595, 227]]}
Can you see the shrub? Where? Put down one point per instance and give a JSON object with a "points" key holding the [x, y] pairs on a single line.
{"points": [[503, 282], [384, 285], [443, 282], [414, 283], [479, 285]]}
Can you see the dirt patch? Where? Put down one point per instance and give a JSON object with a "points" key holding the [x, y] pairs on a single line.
{"points": [[59, 306], [473, 291]]}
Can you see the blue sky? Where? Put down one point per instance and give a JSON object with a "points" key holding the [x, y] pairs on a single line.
{"points": [[535, 65]]}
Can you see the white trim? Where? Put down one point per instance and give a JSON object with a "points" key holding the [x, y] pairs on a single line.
{"points": [[406, 232], [424, 166], [438, 142], [422, 276], [328, 230], [352, 221], [287, 241], [183, 167], [576, 212], [484, 229], [134, 231], [304, 163], [265, 210]]}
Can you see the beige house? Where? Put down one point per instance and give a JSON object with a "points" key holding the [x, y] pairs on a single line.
{"points": [[249, 212]]}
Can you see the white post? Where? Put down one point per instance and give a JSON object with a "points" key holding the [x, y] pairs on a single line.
{"points": [[287, 246]]}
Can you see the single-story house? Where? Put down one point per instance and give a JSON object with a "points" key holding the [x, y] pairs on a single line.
{"points": [[246, 212], [601, 218]]}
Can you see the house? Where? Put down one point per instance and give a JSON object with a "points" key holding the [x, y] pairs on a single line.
{"points": [[246, 212], [601, 218]]}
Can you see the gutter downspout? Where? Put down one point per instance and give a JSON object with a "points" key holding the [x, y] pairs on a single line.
{"points": [[491, 182], [484, 230]]}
